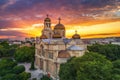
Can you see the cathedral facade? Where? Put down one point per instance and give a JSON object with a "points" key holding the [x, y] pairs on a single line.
{"points": [[53, 48]]}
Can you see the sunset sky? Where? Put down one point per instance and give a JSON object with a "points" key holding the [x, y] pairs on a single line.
{"points": [[91, 18]]}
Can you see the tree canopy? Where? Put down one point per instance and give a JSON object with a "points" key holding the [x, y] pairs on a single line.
{"points": [[116, 70], [18, 69], [112, 52], [6, 66], [7, 50], [25, 54], [9, 70], [91, 66], [45, 77], [67, 71]]}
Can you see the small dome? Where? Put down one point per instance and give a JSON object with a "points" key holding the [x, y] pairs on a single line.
{"points": [[47, 19], [76, 36], [43, 36], [63, 54], [59, 27], [57, 35]]}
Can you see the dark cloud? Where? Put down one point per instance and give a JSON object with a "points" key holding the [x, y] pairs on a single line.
{"points": [[97, 3], [12, 33], [44, 5], [22, 5], [67, 9], [2, 2], [6, 24], [71, 11], [59, 7]]}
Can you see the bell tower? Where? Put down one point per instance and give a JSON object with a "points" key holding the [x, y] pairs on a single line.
{"points": [[47, 22], [47, 31]]}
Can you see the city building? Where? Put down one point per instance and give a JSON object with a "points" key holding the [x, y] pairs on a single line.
{"points": [[53, 48], [31, 39], [107, 40]]}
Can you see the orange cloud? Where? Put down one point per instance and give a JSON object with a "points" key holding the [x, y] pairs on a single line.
{"points": [[92, 18]]}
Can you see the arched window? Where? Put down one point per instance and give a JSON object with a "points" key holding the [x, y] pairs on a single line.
{"points": [[50, 35], [63, 33], [42, 50], [50, 55]]}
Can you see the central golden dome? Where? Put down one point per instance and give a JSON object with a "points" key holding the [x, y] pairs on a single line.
{"points": [[59, 26], [56, 35]]}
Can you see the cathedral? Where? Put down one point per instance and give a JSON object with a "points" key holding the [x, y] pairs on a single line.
{"points": [[52, 48]]}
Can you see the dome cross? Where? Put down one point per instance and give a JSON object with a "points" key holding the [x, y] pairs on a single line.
{"points": [[59, 19], [75, 31], [47, 15]]}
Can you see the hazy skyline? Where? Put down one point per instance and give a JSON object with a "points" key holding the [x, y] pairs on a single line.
{"points": [[91, 18]]}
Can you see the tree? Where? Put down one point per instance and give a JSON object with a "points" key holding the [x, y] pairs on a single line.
{"points": [[32, 65], [24, 76], [91, 66], [18, 69], [24, 54], [9, 70], [45, 77], [6, 66], [10, 77], [116, 70], [1, 50], [112, 52], [7, 50], [116, 77], [5, 44], [67, 71]]}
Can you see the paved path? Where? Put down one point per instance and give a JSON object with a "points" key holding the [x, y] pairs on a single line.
{"points": [[34, 73]]}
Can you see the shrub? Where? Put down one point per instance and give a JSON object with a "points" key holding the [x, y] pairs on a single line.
{"points": [[45, 77], [10, 77], [18, 69], [24, 76]]}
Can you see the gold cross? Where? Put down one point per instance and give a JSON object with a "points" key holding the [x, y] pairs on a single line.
{"points": [[75, 31]]}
